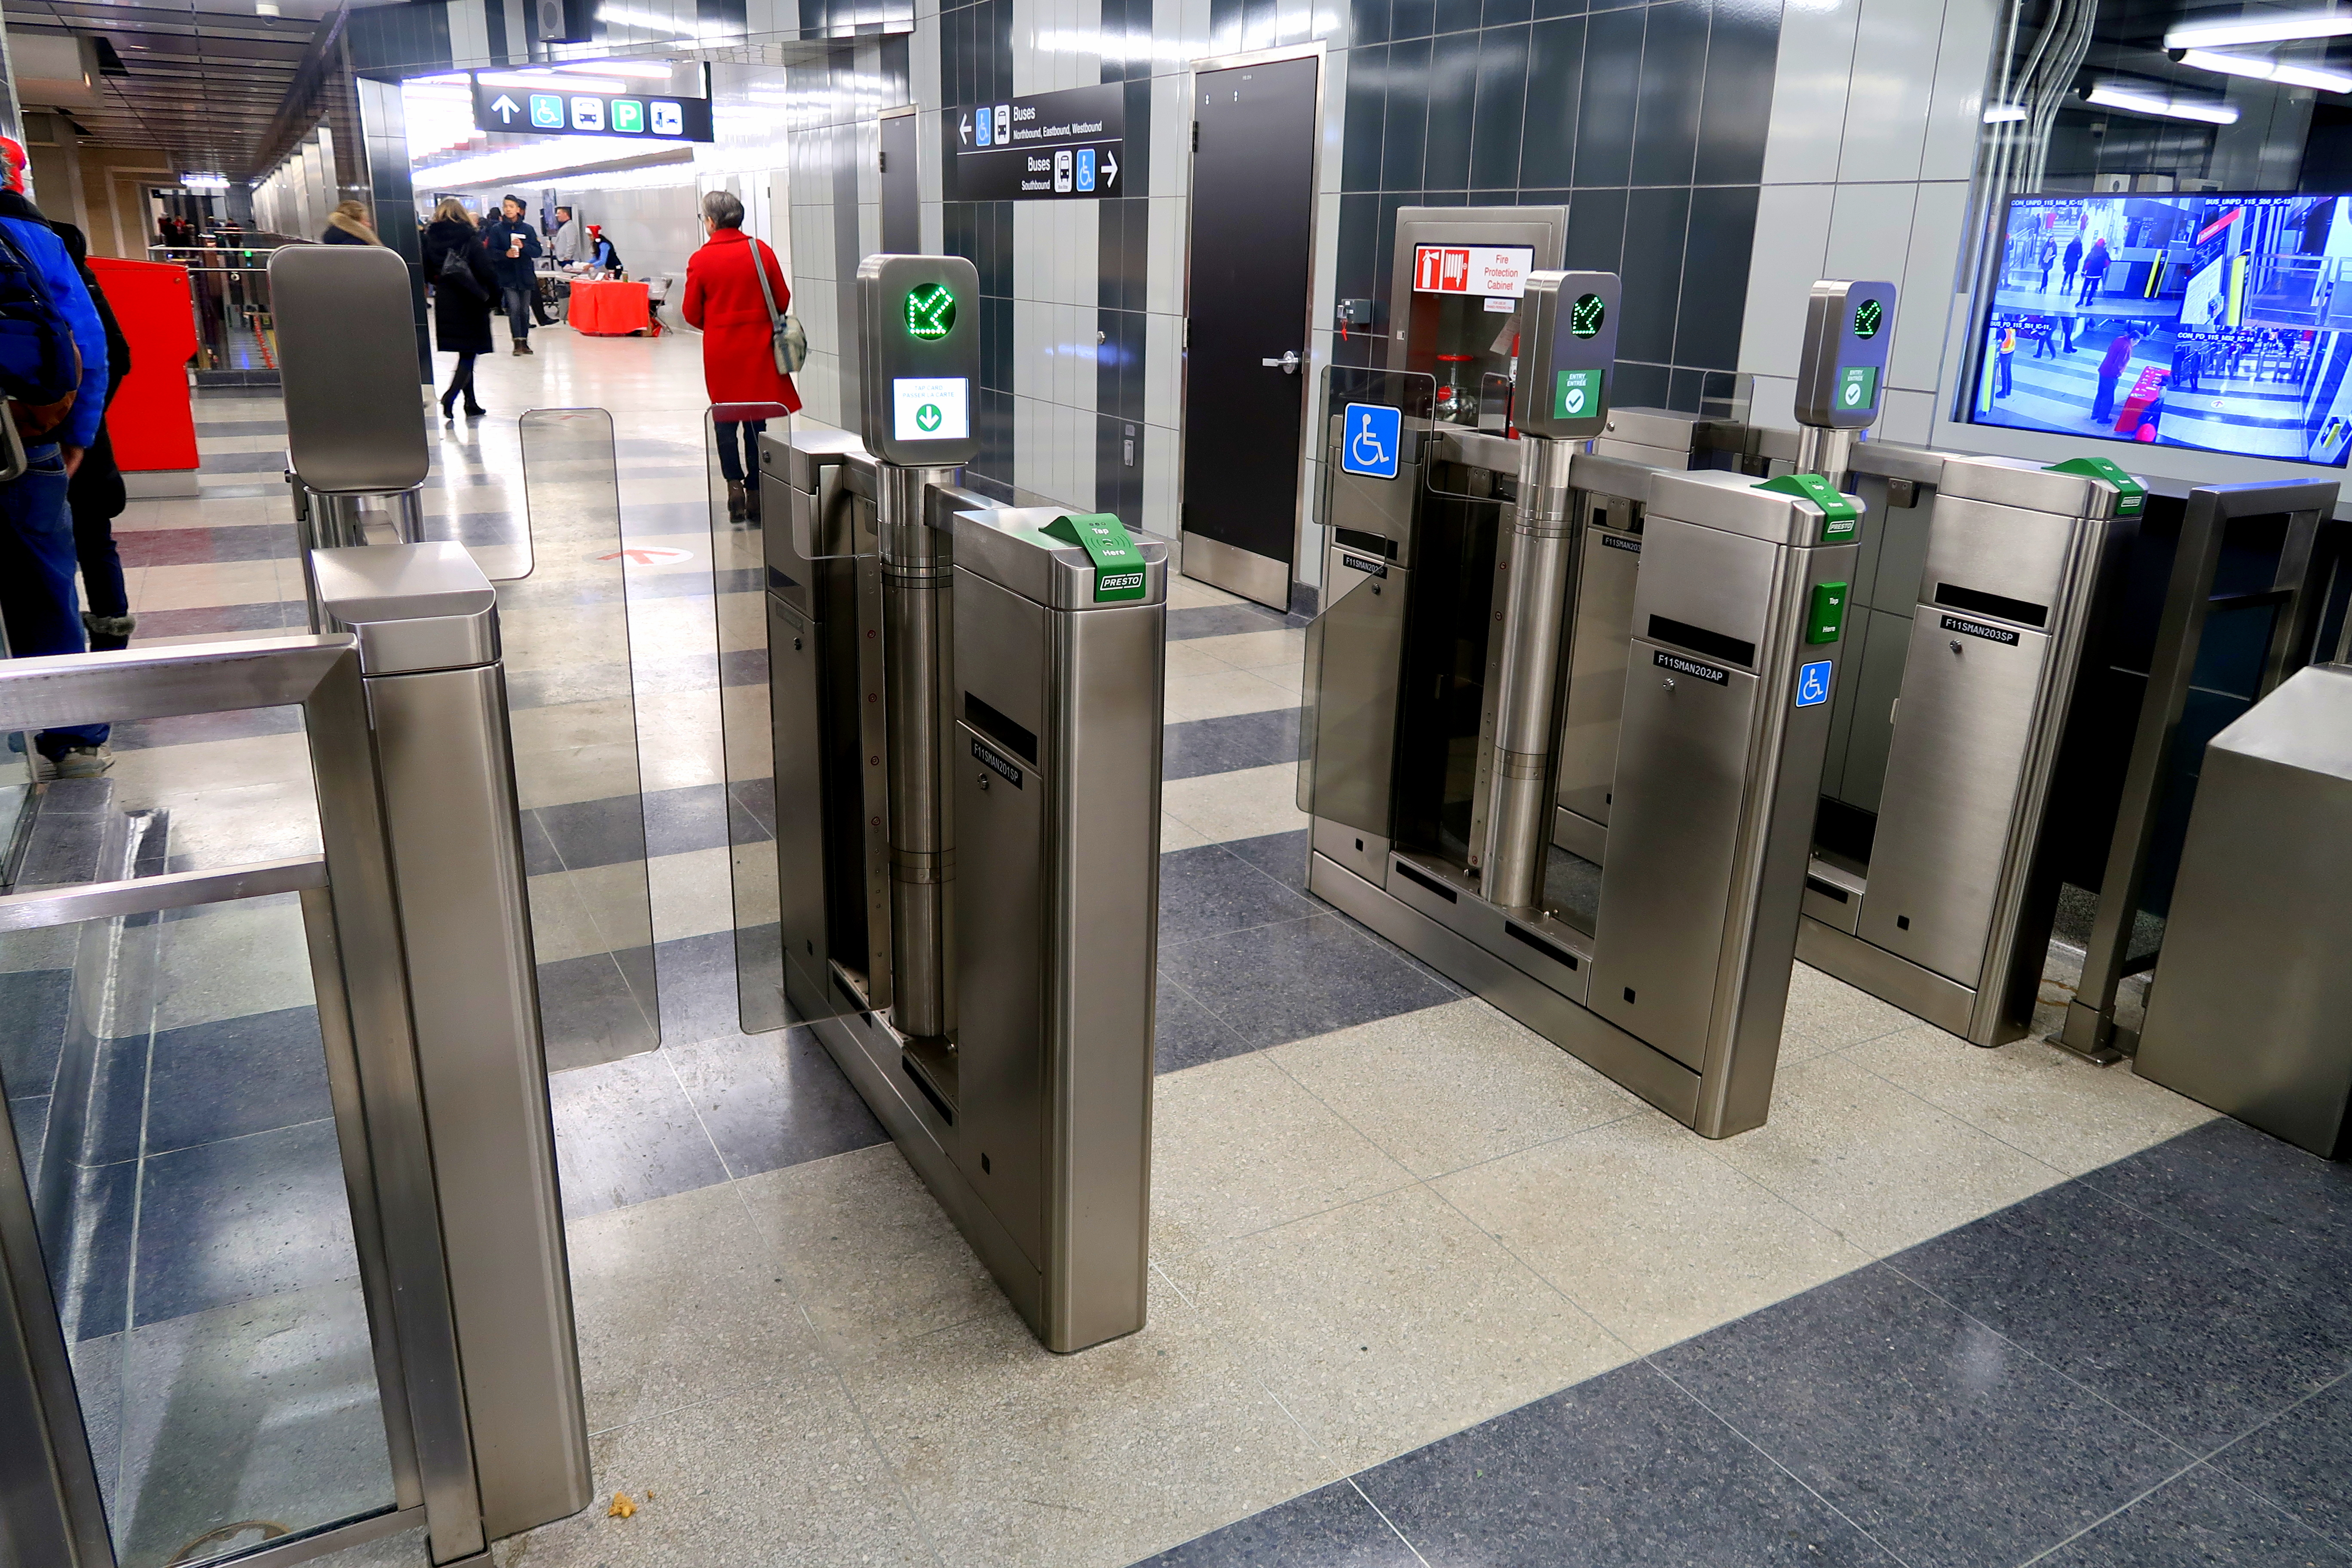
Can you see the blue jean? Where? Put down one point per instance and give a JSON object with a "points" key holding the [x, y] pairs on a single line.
{"points": [[38, 598], [740, 463], [517, 302]]}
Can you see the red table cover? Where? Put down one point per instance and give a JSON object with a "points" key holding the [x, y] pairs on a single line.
{"points": [[153, 426], [608, 310]]}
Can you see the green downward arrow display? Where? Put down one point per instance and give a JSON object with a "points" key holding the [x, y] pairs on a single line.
{"points": [[928, 417], [1118, 564]]}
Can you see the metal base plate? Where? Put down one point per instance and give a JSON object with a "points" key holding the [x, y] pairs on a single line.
{"points": [[1237, 571], [1919, 992], [1655, 1076]]}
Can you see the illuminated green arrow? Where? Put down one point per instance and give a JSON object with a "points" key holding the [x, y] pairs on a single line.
{"points": [[930, 311]]}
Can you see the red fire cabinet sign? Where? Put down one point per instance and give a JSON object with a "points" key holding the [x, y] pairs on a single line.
{"points": [[1493, 271]]}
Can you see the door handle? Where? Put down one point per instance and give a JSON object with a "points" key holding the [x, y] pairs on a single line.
{"points": [[1288, 363]]}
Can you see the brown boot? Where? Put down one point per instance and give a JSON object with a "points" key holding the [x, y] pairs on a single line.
{"points": [[735, 502], [751, 499]]}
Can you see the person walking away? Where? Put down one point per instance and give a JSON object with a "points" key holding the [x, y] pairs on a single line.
{"points": [[2111, 366], [57, 404], [2008, 352], [736, 297], [2043, 333], [96, 496], [2186, 364], [348, 224], [2074, 264], [464, 285], [2095, 271], [2049, 259], [513, 248], [564, 243]]}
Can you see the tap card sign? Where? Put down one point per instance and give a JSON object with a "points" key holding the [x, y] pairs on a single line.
{"points": [[919, 358], [1566, 354], [1842, 361]]}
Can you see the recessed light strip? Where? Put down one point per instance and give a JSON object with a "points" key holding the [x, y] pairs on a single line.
{"points": [[2275, 28], [2138, 100]]}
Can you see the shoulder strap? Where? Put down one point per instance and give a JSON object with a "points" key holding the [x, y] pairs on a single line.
{"points": [[760, 253]]}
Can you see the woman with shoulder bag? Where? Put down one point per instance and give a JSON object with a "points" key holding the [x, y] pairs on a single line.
{"points": [[464, 285], [737, 297]]}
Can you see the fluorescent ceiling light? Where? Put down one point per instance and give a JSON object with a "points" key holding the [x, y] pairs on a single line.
{"points": [[2006, 113], [2149, 101], [205, 181], [2263, 69], [2275, 28], [640, 71], [542, 82]]}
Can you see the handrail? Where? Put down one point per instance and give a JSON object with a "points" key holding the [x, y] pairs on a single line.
{"points": [[151, 895]]}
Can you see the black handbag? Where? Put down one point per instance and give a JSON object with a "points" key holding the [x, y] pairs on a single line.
{"points": [[454, 269]]}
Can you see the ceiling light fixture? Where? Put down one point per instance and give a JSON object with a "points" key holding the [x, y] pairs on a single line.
{"points": [[541, 81], [2006, 113], [641, 70], [2259, 69], [265, 7], [2138, 99], [2275, 28]]}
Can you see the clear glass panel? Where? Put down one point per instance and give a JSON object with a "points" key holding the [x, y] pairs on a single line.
{"points": [[169, 1092], [740, 530], [475, 498], [571, 697], [15, 802]]}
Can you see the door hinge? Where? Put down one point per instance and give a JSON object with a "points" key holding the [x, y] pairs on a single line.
{"points": [[1196, 136], [882, 162]]}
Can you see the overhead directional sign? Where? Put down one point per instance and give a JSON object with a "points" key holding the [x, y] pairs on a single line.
{"points": [[549, 106], [1049, 146]]}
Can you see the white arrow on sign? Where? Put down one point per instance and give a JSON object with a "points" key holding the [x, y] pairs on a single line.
{"points": [[964, 128], [504, 107], [1110, 167]]}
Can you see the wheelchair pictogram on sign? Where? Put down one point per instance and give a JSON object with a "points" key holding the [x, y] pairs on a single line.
{"points": [[1371, 437], [1812, 684]]}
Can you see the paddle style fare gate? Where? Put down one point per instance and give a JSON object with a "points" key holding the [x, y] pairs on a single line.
{"points": [[966, 706]]}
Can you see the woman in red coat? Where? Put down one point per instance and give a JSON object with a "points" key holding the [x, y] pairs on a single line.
{"points": [[725, 302]]}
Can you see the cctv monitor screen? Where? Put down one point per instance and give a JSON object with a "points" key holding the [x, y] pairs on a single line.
{"points": [[2223, 322]]}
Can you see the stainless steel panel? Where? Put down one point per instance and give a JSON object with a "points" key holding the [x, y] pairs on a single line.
{"points": [[874, 744], [413, 606], [1365, 853], [1598, 474], [1961, 746], [1261, 578], [166, 682], [2000, 549], [1001, 543], [1369, 505], [1731, 502], [346, 340], [917, 662], [2246, 1014], [1673, 844], [1663, 428], [2020, 482], [1580, 836], [1360, 645], [1921, 993], [1704, 577], [1110, 676], [173, 890], [1002, 1046], [1877, 646], [1607, 571], [1474, 449], [1893, 460], [1656, 1077], [456, 860], [1832, 896]]}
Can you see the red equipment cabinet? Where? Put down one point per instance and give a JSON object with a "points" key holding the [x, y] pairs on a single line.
{"points": [[151, 420]]}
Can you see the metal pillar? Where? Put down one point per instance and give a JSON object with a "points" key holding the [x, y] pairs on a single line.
{"points": [[918, 563], [1535, 630]]}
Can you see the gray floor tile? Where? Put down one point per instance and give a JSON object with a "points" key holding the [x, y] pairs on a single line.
{"points": [[2301, 1460], [774, 1099], [1281, 855], [2215, 1346], [1188, 1033], [1205, 891], [1222, 620], [625, 1133], [1911, 1417], [1623, 1469], [2197, 1520], [1280, 983], [253, 1217], [1331, 1527], [2244, 1191], [1202, 746]]}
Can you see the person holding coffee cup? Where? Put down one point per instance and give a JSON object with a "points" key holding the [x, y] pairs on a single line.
{"points": [[514, 249]]}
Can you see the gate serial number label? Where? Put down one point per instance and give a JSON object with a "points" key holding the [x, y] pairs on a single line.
{"points": [[1004, 767], [1682, 666], [1612, 541], [1978, 629]]}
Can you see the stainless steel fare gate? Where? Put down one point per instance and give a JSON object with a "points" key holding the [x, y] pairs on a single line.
{"points": [[459, 1321]]}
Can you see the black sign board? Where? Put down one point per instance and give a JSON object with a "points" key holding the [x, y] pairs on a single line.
{"points": [[552, 107], [1049, 146]]}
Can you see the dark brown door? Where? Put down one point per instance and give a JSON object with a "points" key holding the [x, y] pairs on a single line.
{"points": [[1252, 251]]}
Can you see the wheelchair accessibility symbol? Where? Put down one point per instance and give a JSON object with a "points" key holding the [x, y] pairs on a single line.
{"points": [[1370, 435], [1812, 684]]}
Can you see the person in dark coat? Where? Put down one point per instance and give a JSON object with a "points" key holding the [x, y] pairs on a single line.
{"points": [[512, 246], [463, 290], [96, 495], [348, 224]]}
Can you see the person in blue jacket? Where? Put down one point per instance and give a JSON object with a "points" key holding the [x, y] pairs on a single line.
{"points": [[38, 598]]}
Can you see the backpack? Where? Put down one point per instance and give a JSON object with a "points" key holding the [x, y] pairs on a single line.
{"points": [[40, 365]]}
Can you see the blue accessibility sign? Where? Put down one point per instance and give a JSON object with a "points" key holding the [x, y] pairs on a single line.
{"points": [[1812, 684], [1370, 434]]}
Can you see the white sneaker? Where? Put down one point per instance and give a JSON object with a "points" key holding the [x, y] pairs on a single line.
{"points": [[82, 761]]}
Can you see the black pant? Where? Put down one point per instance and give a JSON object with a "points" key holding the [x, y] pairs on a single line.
{"points": [[739, 462], [461, 380]]}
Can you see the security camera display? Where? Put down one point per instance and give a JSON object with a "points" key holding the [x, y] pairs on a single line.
{"points": [[2223, 322]]}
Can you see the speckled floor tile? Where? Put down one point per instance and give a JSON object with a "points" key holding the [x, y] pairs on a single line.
{"points": [[1452, 1086], [1643, 1225], [1825, 1014], [1875, 1165], [1239, 1146], [1393, 1321], [1330, 1527]]}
